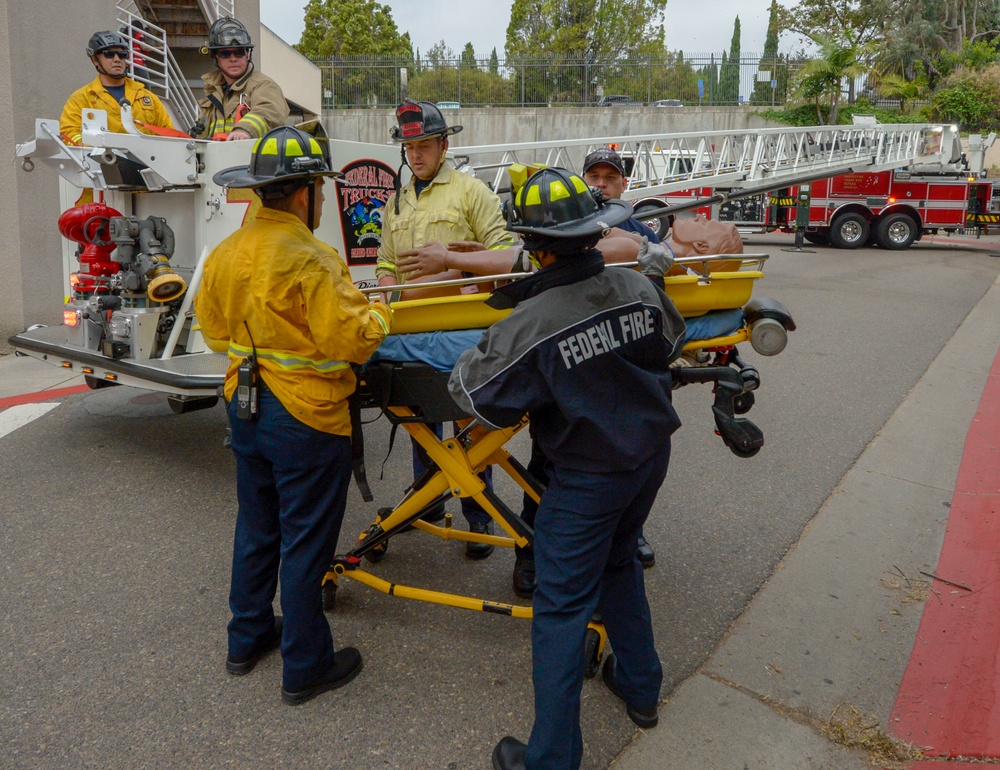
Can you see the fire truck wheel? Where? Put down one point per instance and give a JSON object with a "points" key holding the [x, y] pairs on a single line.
{"points": [[849, 231], [896, 231]]}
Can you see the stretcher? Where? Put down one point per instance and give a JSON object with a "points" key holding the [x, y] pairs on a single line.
{"points": [[407, 381]]}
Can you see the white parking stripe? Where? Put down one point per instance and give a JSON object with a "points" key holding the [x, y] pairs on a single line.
{"points": [[18, 416]]}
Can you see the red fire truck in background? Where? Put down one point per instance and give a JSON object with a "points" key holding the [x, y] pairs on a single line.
{"points": [[890, 208]]}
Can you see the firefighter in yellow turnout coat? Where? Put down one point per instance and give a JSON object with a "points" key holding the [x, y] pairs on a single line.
{"points": [[282, 303], [109, 53]]}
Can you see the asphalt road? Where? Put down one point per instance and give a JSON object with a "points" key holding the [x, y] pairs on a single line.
{"points": [[116, 522]]}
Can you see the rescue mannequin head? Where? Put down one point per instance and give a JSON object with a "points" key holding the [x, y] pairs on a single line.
{"points": [[697, 236], [230, 45], [108, 51], [603, 169], [557, 214], [423, 134], [286, 171]]}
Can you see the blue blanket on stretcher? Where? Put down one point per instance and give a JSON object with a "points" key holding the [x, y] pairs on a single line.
{"points": [[442, 349]]}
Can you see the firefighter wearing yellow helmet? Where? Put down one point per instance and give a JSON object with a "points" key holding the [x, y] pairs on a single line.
{"points": [[586, 353], [239, 101], [283, 305]]}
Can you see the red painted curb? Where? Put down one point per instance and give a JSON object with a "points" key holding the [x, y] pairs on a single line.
{"points": [[41, 395], [949, 698]]}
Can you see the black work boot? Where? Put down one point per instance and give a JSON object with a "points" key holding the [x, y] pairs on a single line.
{"points": [[479, 550], [644, 552], [509, 754], [524, 575]]}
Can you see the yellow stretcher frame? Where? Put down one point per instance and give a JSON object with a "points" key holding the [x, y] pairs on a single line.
{"points": [[456, 462], [695, 293]]}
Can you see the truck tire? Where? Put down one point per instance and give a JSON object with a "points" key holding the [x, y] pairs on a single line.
{"points": [[849, 231], [896, 231]]}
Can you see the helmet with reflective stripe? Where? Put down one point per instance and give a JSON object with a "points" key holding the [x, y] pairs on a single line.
{"points": [[101, 41], [284, 154], [228, 33], [559, 204], [419, 120]]}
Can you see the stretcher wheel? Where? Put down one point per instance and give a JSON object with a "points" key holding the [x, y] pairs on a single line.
{"points": [[592, 653], [376, 554], [329, 595]]}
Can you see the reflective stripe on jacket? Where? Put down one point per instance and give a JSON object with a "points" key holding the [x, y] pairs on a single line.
{"points": [[265, 109], [308, 321]]}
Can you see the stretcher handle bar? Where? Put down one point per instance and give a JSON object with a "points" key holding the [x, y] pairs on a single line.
{"points": [[450, 282], [511, 276]]}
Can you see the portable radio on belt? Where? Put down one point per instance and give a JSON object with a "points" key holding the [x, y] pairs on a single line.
{"points": [[247, 384]]}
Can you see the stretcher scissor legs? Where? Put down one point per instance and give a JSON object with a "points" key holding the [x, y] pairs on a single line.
{"points": [[453, 472]]}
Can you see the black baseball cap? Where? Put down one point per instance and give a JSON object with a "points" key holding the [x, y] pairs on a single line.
{"points": [[604, 155]]}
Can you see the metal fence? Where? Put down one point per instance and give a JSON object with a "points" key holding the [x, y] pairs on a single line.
{"points": [[380, 82]]}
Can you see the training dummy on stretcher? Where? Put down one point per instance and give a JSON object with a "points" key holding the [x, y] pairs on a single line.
{"points": [[407, 380]]}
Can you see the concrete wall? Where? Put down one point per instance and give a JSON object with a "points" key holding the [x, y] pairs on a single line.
{"points": [[300, 79], [42, 61], [537, 124]]}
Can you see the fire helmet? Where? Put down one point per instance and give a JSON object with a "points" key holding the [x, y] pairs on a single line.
{"points": [[419, 120], [227, 33], [283, 155], [558, 204], [101, 41]]}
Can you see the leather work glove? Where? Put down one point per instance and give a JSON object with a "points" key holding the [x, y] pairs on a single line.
{"points": [[655, 260]]}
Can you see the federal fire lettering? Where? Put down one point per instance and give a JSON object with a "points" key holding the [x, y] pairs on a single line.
{"points": [[605, 337]]}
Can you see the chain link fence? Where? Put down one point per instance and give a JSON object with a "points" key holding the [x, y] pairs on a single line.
{"points": [[380, 82]]}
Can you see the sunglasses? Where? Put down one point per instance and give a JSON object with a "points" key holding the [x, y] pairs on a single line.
{"points": [[231, 53], [123, 55]]}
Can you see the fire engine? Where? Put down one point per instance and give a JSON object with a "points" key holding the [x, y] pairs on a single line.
{"points": [[890, 208], [133, 257]]}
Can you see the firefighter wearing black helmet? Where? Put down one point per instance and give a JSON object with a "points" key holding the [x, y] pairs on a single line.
{"points": [[585, 352], [436, 207], [109, 53], [239, 101], [282, 304]]}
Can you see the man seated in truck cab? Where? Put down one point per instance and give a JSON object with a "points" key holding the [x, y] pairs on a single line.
{"points": [[239, 102], [109, 51]]}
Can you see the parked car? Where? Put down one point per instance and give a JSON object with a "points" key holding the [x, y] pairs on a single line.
{"points": [[449, 106], [667, 103], [619, 100]]}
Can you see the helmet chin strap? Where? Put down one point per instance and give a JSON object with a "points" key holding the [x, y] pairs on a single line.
{"points": [[96, 59], [397, 185], [311, 224]]}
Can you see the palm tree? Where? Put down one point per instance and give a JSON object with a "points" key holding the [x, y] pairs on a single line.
{"points": [[824, 75]]}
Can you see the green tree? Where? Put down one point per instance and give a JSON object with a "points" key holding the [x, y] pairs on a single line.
{"points": [[469, 56], [585, 29], [729, 75], [823, 76], [351, 28], [845, 22], [896, 86], [768, 68], [494, 63]]}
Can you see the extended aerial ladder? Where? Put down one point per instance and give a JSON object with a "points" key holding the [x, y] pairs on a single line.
{"points": [[738, 163]]}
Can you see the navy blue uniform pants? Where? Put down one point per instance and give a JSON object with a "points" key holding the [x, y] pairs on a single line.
{"points": [[585, 533], [473, 511], [291, 483]]}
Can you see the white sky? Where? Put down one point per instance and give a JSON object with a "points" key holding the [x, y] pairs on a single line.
{"points": [[693, 27]]}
